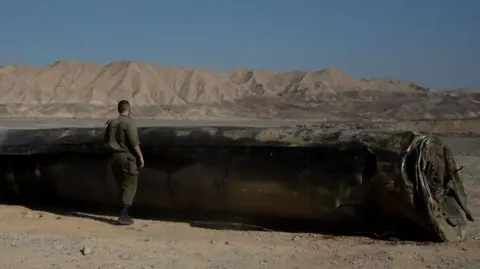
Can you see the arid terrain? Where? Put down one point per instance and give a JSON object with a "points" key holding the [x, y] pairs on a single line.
{"points": [[83, 90], [32, 97]]}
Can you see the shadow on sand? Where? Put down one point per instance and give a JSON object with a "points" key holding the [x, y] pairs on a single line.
{"points": [[375, 230]]}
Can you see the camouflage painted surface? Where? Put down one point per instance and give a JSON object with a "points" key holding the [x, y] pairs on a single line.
{"points": [[334, 176]]}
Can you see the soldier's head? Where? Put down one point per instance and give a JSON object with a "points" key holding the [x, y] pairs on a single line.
{"points": [[123, 107]]}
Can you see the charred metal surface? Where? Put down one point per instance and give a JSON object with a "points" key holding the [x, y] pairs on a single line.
{"points": [[296, 172]]}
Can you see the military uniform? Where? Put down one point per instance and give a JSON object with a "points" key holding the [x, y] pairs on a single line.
{"points": [[121, 137]]}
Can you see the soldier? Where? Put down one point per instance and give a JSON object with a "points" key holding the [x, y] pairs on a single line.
{"points": [[127, 159]]}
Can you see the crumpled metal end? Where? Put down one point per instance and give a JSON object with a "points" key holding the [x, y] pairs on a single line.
{"points": [[438, 189]]}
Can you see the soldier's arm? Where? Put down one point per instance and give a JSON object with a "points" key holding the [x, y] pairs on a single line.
{"points": [[106, 133], [132, 136]]}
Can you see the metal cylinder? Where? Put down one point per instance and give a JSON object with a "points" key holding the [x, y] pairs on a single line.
{"points": [[332, 176]]}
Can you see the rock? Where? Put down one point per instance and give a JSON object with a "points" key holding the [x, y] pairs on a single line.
{"points": [[27, 214], [86, 250]]}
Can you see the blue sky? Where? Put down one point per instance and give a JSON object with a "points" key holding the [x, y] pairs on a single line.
{"points": [[432, 42]]}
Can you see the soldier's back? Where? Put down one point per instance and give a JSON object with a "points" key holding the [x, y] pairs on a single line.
{"points": [[116, 136]]}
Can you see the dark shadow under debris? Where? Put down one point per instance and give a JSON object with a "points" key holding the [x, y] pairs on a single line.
{"points": [[108, 215]]}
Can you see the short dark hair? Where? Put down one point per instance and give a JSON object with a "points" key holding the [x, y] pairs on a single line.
{"points": [[123, 106]]}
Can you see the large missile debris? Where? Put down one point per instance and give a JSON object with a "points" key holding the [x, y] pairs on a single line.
{"points": [[331, 176]]}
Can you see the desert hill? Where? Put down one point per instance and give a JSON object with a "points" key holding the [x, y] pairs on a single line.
{"points": [[77, 89]]}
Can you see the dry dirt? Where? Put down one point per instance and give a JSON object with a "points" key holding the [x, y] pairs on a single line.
{"points": [[40, 239], [79, 89]]}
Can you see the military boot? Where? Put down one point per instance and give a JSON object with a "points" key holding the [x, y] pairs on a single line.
{"points": [[124, 218]]}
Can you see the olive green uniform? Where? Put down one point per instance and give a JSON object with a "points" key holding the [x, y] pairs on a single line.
{"points": [[121, 137]]}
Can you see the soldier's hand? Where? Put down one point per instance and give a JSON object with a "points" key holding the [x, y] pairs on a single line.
{"points": [[141, 163]]}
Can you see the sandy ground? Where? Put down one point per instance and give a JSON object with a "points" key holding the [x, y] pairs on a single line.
{"points": [[39, 239], [460, 126]]}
